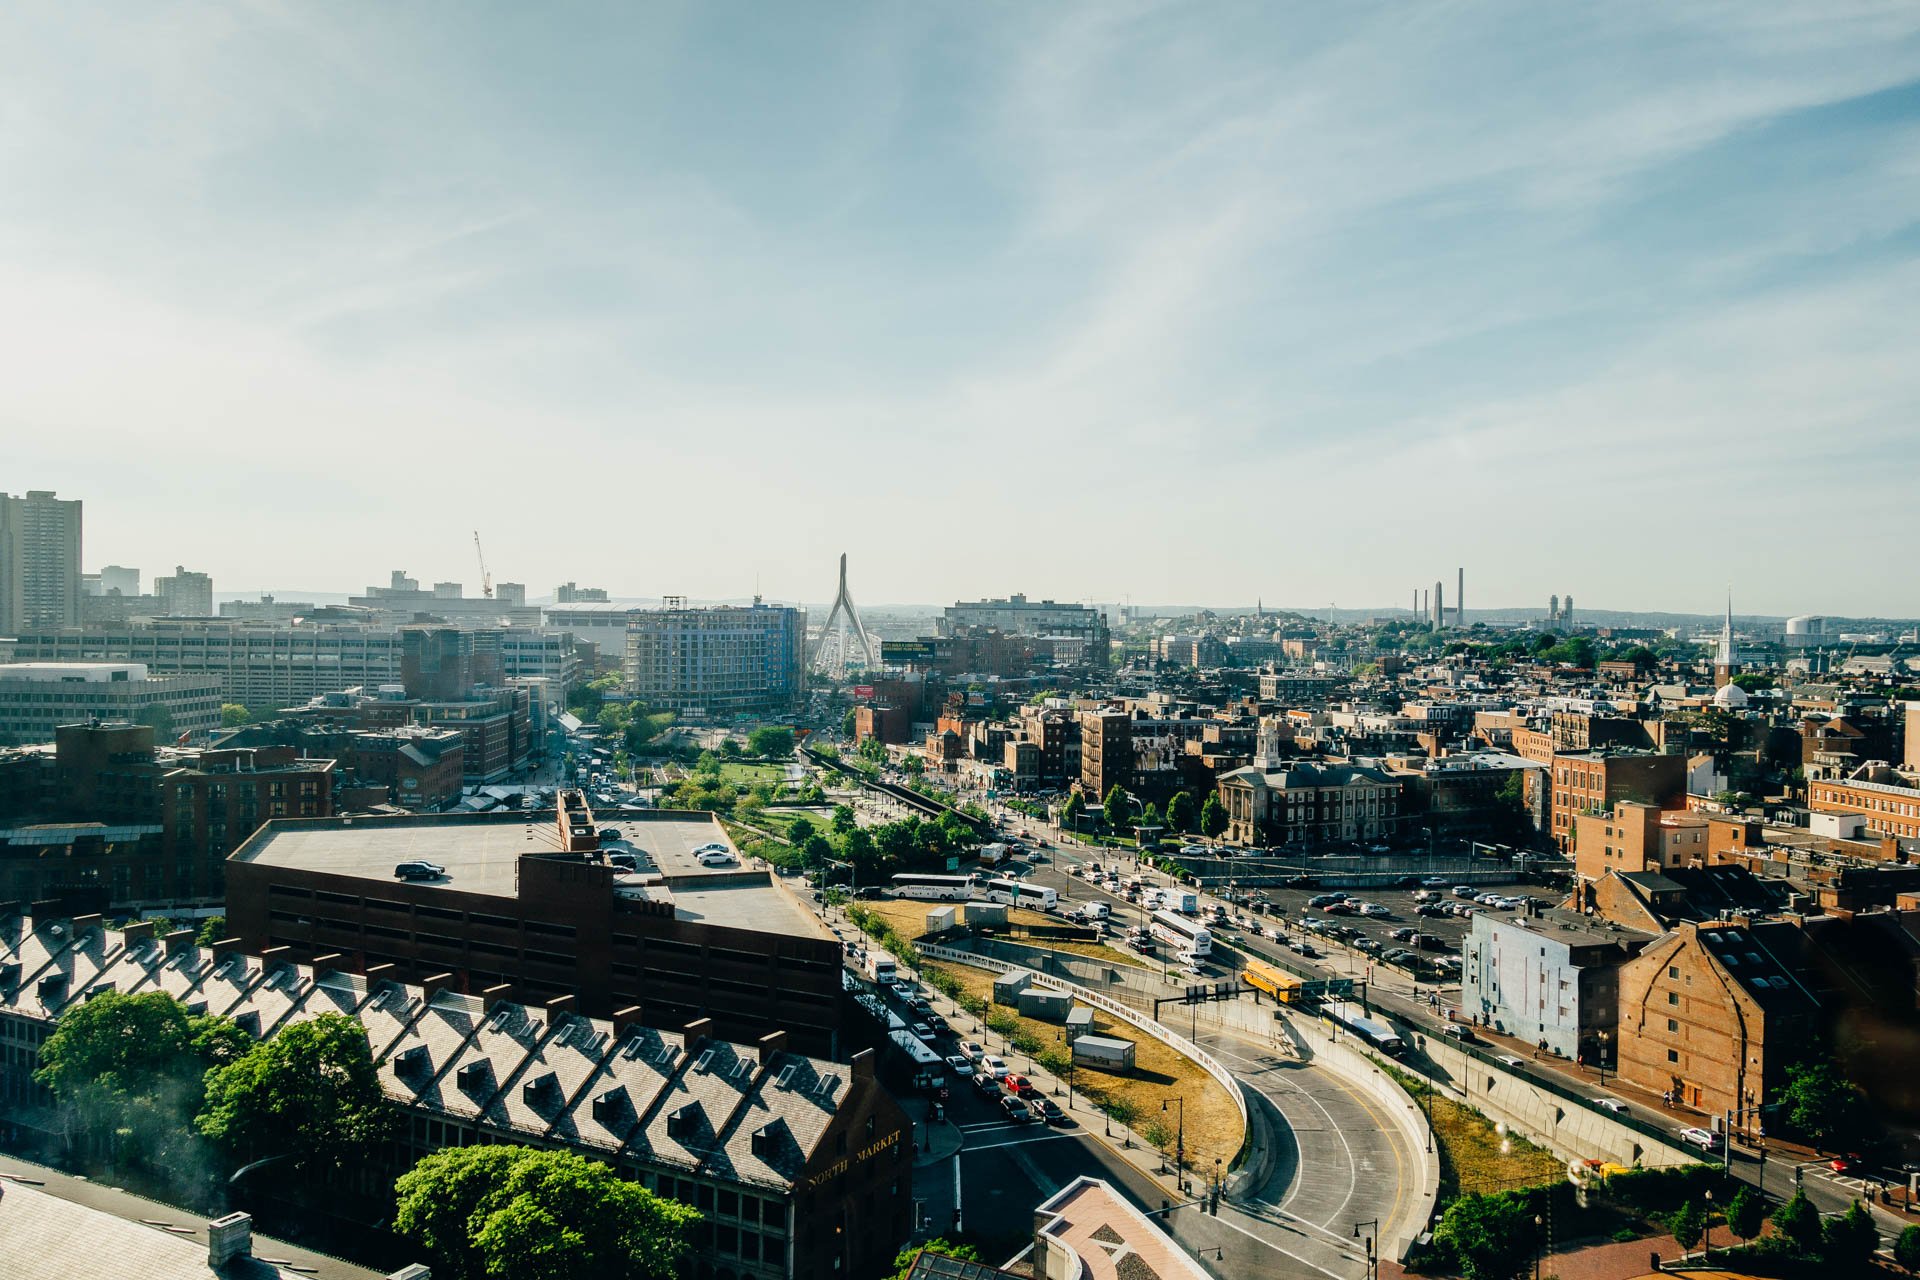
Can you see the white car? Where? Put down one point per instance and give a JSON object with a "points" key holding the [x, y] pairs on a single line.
{"points": [[1511, 1061], [973, 1050], [1614, 1105], [1700, 1138], [959, 1065], [713, 858], [994, 1066], [1373, 909]]}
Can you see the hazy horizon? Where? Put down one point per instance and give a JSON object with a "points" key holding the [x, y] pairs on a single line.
{"points": [[1091, 302]]}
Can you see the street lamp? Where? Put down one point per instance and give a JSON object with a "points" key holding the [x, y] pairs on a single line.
{"points": [[1540, 1246], [1706, 1231], [1605, 1036], [1373, 1262], [1180, 1140]]}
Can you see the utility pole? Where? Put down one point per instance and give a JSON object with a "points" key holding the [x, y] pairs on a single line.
{"points": [[1179, 1142]]}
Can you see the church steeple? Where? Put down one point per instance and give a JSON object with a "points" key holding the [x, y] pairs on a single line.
{"points": [[1725, 662]]}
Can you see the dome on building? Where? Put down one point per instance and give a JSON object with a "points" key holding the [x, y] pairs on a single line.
{"points": [[1730, 695]]}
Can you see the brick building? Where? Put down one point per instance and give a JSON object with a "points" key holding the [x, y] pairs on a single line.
{"points": [[1594, 781], [1308, 802], [1106, 752], [1716, 1013], [530, 901]]}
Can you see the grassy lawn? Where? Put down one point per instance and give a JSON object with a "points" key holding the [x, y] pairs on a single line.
{"points": [[908, 916], [1475, 1156], [746, 775], [1212, 1123]]}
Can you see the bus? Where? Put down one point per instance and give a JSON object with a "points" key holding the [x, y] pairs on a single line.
{"points": [[1016, 894], [1189, 937], [929, 1068], [1375, 1032], [934, 888], [1278, 983]]}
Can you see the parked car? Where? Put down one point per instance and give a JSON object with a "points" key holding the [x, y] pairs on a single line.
{"points": [[1322, 899], [1047, 1111], [1300, 946], [973, 1049], [418, 870], [1301, 882], [995, 1066], [1402, 935], [959, 1065], [1434, 882], [1339, 909], [923, 1031], [1374, 909], [987, 1085], [1465, 891], [938, 1023], [1367, 945], [1016, 1109], [1510, 1060], [1432, 909]]}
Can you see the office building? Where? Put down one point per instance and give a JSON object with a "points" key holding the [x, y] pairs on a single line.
{"points": [[271, 665], [1016, 615], [185, 594], [1594, 781], [1307, 802], [39, 562], [531, 901], [1298, 688], [116, 577], [800, 1166], [1549, 979], [717, 663], [404, 600], [573, 593], [38, 697]]}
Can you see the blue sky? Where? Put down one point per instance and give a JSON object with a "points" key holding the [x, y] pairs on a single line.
{"points": [[1177, 303]]}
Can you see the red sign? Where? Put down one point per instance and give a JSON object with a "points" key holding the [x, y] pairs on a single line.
{"points": [[863, 691]]}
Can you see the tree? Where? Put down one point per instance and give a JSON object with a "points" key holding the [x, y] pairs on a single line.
{"points": [[1150, 816], [771, 740], [161, 719], [1824, 1108], [1213, 818], [130, 1068], [310, 1093], [1492, 1237], [814, 850], [800, 830], [730, 748], [1071, 809], [1687, 1223], [213, 929], [1746, 1213], [939, 1246], [843, 819], [513, 1213], [1118, 810], [1848, 1240], [1182, 813], [1906, 1249], [234, 714], [849, 723], [1799, 1222], [913, 764]]}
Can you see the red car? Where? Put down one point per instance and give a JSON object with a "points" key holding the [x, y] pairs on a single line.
{"points": [[1020, 1085], [1847, 1164]]}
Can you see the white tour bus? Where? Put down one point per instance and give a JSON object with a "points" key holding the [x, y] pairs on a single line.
{"points": [[1187, 936], [1016, 894], [934, 888]]}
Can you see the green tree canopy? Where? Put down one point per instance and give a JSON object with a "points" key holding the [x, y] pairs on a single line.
{"points": [[1182, 812], [1824, 1108], [800, 830], [849, 723], [234, 714], [1746, 1213], [1906, 1248], [1848, 1240], [1150, 816], [1686, 1223], [161, 719], [310, 1092], [771, 740], [213, 929], [1492, 1237], [1117, 810], [1071, 808], [513, 1213], [132, 1066], [843, 819], [1213, 818], [1799, 1222]]}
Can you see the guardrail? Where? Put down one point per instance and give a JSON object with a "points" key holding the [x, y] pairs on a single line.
{"points": [[1159, 1031]]}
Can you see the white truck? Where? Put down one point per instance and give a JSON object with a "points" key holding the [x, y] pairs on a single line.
{"points": [[879, 966], [992, 855], [1184, 901], [1092, 912]]}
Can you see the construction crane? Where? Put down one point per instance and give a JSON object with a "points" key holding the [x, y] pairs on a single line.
{"points": [[486, 579]]}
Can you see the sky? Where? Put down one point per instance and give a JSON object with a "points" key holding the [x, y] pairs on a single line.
{"points": [[1167, 303]]}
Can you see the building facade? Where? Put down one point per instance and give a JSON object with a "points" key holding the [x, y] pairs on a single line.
{"points": [[39, 562], [717, 663], [1595, 781], [1308, 803], [36, 698], [1551, 980], [185, 594], [1018, 616]]}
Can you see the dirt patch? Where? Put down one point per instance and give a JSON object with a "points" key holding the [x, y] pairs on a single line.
{"points": [[908, 918], [1213, 1128]]}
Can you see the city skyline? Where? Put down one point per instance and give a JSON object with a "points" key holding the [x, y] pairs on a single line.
{"points": [[694, 299]]}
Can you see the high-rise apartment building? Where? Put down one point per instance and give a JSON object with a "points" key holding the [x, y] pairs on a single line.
{"points": [[117, 577], [1017, 615], [185, 594], [717, 662], [39, 562]]}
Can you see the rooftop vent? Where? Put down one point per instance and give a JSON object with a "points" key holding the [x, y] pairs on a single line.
{"points": [[606, 1106], [472, 1075]]}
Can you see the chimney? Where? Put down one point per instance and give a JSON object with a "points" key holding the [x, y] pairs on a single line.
{"points": [[774, 1042], [83, 923], [273, 957], [412, 1271], [177, 941], [862, 1064], [495, 996], [136, 932], [625, 1020], [380, 974], [223, 948], [558, 1006], [229, 1238], [697, 1030], [328, 963], [433, 984]]}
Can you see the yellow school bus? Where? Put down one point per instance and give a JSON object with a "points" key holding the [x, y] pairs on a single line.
{"points": [[1277, 983]]}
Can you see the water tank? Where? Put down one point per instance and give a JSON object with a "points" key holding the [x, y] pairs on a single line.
{"points": [[1805, 631]]}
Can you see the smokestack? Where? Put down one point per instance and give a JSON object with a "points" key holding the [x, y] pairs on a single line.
{"points": [[1439, 605], [1460, 597]]}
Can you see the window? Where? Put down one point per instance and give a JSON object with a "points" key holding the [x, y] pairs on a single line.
{"points": [[1673, 971], [1673, 1055], [1673, 997], [1673, 1024]]}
